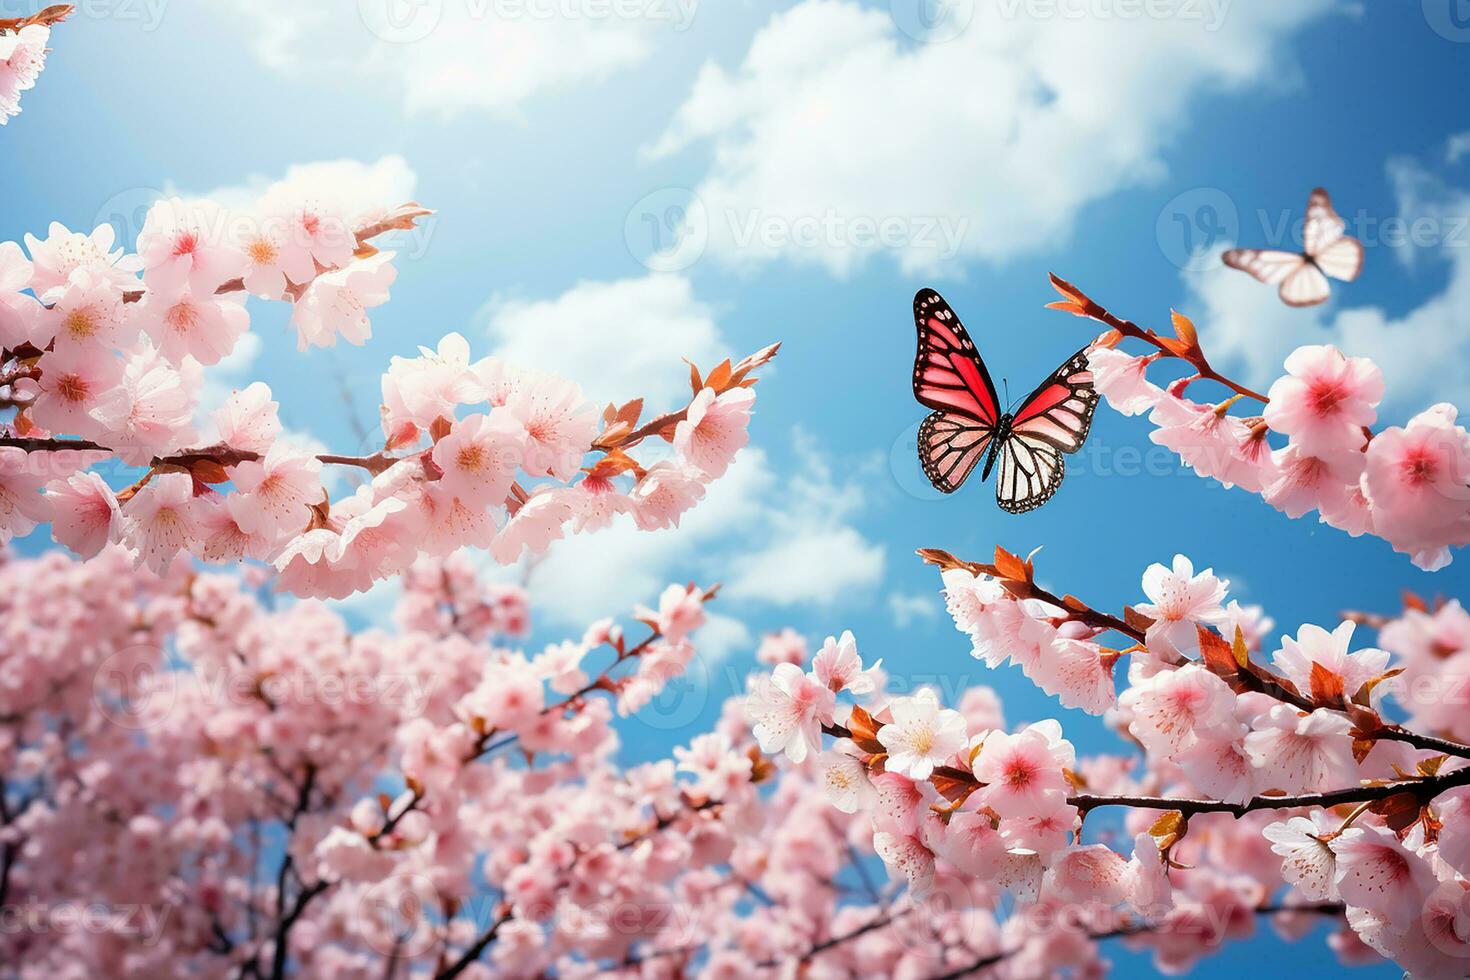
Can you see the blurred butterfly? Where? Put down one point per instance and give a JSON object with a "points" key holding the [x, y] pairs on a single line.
{"points": [[967, 423], [1327, 251]]}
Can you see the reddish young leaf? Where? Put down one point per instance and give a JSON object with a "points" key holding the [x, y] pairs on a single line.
{"points": [[1218, 655], [1326, 685]]}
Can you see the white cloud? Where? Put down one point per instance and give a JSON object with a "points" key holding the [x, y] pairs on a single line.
{"points": [[841, 132], [1424, 352], [451, 56], [619, 340], [720, 637], [772, 541], [909, 609], [351, 187]]}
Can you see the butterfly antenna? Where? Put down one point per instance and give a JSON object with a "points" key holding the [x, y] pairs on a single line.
{"points": [[1005, 384]]}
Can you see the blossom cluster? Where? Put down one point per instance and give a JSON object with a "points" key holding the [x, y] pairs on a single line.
{"points": [[22, 57], [259, 791], [104, 355], [1285, 785], [1408, 484]]}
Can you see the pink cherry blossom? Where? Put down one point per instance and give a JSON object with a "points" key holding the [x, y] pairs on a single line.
{"points": [[19, 311], [182, 248], [479, 457], [909, 857], [680, 612], [73, 383], [560, 425], [161, 520], [275, 494], [1314, 645], [151, 411], [1175, 708], [1377, 873], [845, 779], [418, 391], [539, 521], [22, 57], [336, 302], [249, 419], [86, 310], [1024, 771], [274, 260], [1295, 752], [1308, 862], [788, 710], [21, 507], [63, 252], [201, 325], [1179, 602], [84, 513], [1120, 378], [1304, 481], [714, 429], [1416, 480], [1326, 400], [922, 735], [1078, 674], [839, 665], [1091, 872], [665, 492]]}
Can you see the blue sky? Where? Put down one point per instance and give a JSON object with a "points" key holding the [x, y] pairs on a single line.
{"points": [[1083, 145]]}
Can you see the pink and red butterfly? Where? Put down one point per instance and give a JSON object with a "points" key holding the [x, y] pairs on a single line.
{"points": [[968, 424], [1327, 250]]}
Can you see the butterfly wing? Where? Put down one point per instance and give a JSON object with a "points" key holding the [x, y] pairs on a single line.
{"points": [[950, 378], [1306, 286], [1030, 472], [1323, 236], [948, 373], [1267, 265], [950, 446], [1054, 419], [1343, 259], [1323, 225]]}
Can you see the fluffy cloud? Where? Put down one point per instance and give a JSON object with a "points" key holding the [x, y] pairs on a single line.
{"points": [[353, 187], [618, 339], [773, 541], [839, 136], [1424, 352], [446, 57]]}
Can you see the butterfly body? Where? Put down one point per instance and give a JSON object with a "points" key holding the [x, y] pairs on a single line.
{"points": [[968, 427], [1303, 276]]}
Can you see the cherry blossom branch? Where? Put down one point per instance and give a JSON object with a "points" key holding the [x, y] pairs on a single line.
{"points": [[858, 932], [54, 14], [219, 454], [1228, 660], [1330, 909], [1423, 789], [1184, 345]]}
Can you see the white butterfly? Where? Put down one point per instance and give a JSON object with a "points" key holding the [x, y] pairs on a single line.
{"points": [[1327, 251]]}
